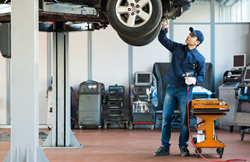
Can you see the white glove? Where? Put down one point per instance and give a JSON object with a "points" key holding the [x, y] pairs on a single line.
{"points": [[164, 23], [190, 80]]}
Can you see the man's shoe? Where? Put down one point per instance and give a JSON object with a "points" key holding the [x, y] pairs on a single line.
{"points": [[184, 151], [162, 151]]}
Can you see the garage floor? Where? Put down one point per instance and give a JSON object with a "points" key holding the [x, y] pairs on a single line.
{"points": [[137, 145]]}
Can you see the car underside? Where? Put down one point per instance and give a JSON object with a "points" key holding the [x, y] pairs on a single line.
{"points": [[137, 22]]}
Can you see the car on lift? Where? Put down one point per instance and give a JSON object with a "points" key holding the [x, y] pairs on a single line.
{"points": [[137, 22]]}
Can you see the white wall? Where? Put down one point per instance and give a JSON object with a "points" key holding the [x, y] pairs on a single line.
{"points": [[78, 58], [230, 39], [199, 12], [145, 57], [2, 90], [110, 58]]}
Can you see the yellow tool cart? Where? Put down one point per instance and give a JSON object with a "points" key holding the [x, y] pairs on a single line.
{"points": [[209, 110]]}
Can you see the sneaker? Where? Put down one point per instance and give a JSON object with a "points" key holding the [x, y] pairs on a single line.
{"points": [[162, 151], [184, 151]]}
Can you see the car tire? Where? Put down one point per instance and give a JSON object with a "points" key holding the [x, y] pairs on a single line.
{"points": [[141, 41], [137, 26]]}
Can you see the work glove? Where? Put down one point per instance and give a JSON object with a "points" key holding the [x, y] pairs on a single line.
{"points": [[164, 23], [190, 80]]}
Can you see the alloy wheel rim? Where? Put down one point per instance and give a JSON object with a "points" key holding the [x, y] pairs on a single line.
{"points": [[134, 13]]}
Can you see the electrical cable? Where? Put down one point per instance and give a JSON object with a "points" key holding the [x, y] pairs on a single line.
{"points": [[73, 119], [230, 160], [118, 124]]}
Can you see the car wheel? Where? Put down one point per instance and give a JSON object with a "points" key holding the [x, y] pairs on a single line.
{"points": [[141, 41], [134, 18]]}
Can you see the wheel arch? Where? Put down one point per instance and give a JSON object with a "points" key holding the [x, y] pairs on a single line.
{"points": [[104, 5]]}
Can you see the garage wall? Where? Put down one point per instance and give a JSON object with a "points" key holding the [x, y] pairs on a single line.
{"points": [[3, 101], [110, 60], [145, 57], [234, 40], [78, 58], [199, 12]]}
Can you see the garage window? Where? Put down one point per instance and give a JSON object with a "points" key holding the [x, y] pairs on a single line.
{"points": [[232, 11]]}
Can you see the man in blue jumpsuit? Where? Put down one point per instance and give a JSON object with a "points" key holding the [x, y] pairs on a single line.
{"points": [[185, 58]]}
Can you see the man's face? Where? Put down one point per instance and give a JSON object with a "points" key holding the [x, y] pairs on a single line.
{"points": [[192, 40]]}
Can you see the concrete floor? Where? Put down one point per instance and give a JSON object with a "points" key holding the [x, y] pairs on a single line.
{"points": [[137, 145]]}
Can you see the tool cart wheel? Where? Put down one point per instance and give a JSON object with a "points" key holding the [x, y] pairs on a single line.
{"points": [[153, 127], [50, 127], [131, 126], [126, 126], [231, 128], [220, 151], [80, 127], [197, 154], [99, 127], [241, 135]]}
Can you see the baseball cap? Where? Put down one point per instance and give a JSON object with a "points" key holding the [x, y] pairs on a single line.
{"points": [[198, 34]]}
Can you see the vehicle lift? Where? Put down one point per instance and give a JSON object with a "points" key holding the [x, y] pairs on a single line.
{"points": [[60, 135]]}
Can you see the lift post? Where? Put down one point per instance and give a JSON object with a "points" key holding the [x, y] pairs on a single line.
{"points": [[61, 135]]}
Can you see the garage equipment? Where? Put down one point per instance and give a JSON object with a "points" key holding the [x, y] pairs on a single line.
{"points": [[242, 106], [90, 104], [144, 98], [228, 90], [237, 72], [116, 95], [227, 93], [208, 111], [114, 110], [232, 75], [49, 107]]}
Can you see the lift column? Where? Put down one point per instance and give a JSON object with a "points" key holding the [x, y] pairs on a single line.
{"points": [[61, 135], [24, 84]]}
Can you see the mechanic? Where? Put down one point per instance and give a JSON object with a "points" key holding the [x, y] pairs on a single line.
{"points": [[185, 58]]}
